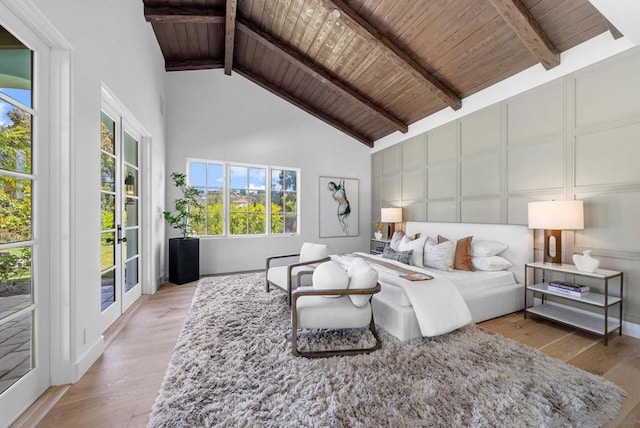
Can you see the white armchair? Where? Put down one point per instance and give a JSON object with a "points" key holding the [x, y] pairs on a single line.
{"points": [[288, 277], [346, 305]]}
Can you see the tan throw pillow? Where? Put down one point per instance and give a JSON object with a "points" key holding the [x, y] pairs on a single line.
{"points": [[462, 260]]}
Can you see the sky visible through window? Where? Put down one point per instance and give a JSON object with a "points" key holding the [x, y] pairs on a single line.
{"points": [[21, 95]]}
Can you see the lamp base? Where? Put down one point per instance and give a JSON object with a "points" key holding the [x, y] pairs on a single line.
{"points": [[391, 230], [553, 246]]}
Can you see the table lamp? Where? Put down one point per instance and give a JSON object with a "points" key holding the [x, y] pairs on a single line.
{"points": [[553, 217], [391, 216]]}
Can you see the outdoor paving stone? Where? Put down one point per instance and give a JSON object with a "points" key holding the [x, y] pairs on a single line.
{"points": [[7, 333], [18, 339], [4, 384], [12, 360], [5, 350], [25, 347], [19, 370]]}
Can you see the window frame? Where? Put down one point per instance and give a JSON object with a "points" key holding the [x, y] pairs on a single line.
{"points": [[226, 189]]}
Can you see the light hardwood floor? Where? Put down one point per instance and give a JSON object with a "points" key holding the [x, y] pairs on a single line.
{"points": [[120, 388]]}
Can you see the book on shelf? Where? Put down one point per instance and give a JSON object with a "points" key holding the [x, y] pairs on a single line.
{"points": [[573, 293], [569, 286]]}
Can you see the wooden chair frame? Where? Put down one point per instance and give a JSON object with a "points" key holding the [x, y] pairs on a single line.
{"points": [[289, 270], [331, 353]]}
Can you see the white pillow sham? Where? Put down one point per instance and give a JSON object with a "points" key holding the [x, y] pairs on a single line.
{"points": [[439, 256], [417, 245], [485, 248], [490, 263]]}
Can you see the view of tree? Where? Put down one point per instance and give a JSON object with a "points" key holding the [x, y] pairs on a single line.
{"points": [[248, 208], [15, 196]]}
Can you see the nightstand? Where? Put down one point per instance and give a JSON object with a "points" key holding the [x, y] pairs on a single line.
{"points": [[599, 323], [377, 246]]}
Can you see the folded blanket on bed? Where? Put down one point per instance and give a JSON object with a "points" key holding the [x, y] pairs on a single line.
{"points": [[437, 303]]}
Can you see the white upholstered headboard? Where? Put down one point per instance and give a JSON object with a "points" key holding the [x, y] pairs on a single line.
{"points": [[518, 238]]}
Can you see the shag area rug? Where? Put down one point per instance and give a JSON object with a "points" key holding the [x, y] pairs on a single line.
{"points": [[232, 366]]}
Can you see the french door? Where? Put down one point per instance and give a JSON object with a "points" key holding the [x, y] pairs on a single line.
{"points": [[24, 217], [120, 210]]}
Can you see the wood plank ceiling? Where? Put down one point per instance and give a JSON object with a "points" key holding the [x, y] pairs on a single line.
{"points": [[371, 67]]}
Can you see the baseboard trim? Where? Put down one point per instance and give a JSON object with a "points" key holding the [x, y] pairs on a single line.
{"points": [[38, 410], [87, 359]]}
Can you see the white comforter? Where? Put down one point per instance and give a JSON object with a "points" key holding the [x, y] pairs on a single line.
{"points": [[438, 305]]}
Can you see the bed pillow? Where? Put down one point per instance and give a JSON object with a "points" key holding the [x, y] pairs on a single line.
{"points": [[462, 258], [484, 248], [417, 245], [399, 256], [439, 256], [395, 239], [491, 263], [361, 275], [330, 276]]}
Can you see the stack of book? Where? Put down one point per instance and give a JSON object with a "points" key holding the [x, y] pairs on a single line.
{"points": [[568, 288]]}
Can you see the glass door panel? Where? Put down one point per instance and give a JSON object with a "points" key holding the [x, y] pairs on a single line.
{"points": [[131, 215], [108, 213], [24, 363], [120, 184]]}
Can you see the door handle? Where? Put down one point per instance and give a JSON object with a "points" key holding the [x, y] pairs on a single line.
{"points": [[119, 235]]}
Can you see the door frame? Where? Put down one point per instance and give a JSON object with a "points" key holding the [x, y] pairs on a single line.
{"points": [[47, 82]]}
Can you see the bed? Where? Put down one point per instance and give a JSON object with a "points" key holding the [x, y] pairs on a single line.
{"points": [[487, 294]]}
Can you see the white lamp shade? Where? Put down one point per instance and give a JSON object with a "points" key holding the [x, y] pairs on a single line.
{"points": [[391, 215], [556, 215]]}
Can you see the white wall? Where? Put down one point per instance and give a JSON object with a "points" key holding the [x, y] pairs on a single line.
{"points": [[111, 44], [228, 118]]}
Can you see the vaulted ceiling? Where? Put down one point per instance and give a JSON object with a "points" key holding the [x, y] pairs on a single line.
{"points": [[371, 67]]}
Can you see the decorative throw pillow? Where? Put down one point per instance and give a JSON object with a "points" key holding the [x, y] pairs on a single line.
{"points": [[361, 275], [483, 248], [330, 276], [491, 263], [462, 259], [417, 245], [395, 239], [310, 252], [439, 256], [399, 256]]}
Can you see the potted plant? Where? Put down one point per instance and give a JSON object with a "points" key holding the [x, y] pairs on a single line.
{"points": [[184, 252]]}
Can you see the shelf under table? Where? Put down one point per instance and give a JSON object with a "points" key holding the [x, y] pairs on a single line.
{"points": [[591, 298], [591, 323]]}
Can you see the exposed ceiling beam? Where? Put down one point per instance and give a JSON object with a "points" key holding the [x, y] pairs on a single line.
{"points": [[229, 35], [399, 57], [322, 75], [193, 64], [302, 105], [612, 29], [184, 15], [518, 17]]}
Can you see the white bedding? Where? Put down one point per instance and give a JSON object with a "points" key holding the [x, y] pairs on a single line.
{"points": [[437, 303], [467, 283]]}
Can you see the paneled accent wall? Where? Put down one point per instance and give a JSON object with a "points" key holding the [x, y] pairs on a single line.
{"points": [[577, 137]]}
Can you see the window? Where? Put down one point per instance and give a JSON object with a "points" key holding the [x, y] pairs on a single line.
{"points": [[240, 200]]}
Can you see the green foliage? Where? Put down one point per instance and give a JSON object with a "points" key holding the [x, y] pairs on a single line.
{"points": [[14, 265], [248, 209], [188, 208], [15, 193]]}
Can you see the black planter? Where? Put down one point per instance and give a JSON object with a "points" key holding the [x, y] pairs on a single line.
{"points": [[184, 260]]}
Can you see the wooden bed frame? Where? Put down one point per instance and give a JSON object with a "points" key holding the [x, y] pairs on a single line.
{"points": [[401, 321]]}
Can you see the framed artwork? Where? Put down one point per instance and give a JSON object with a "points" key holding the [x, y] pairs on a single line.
{"points": [[338, 207]]}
